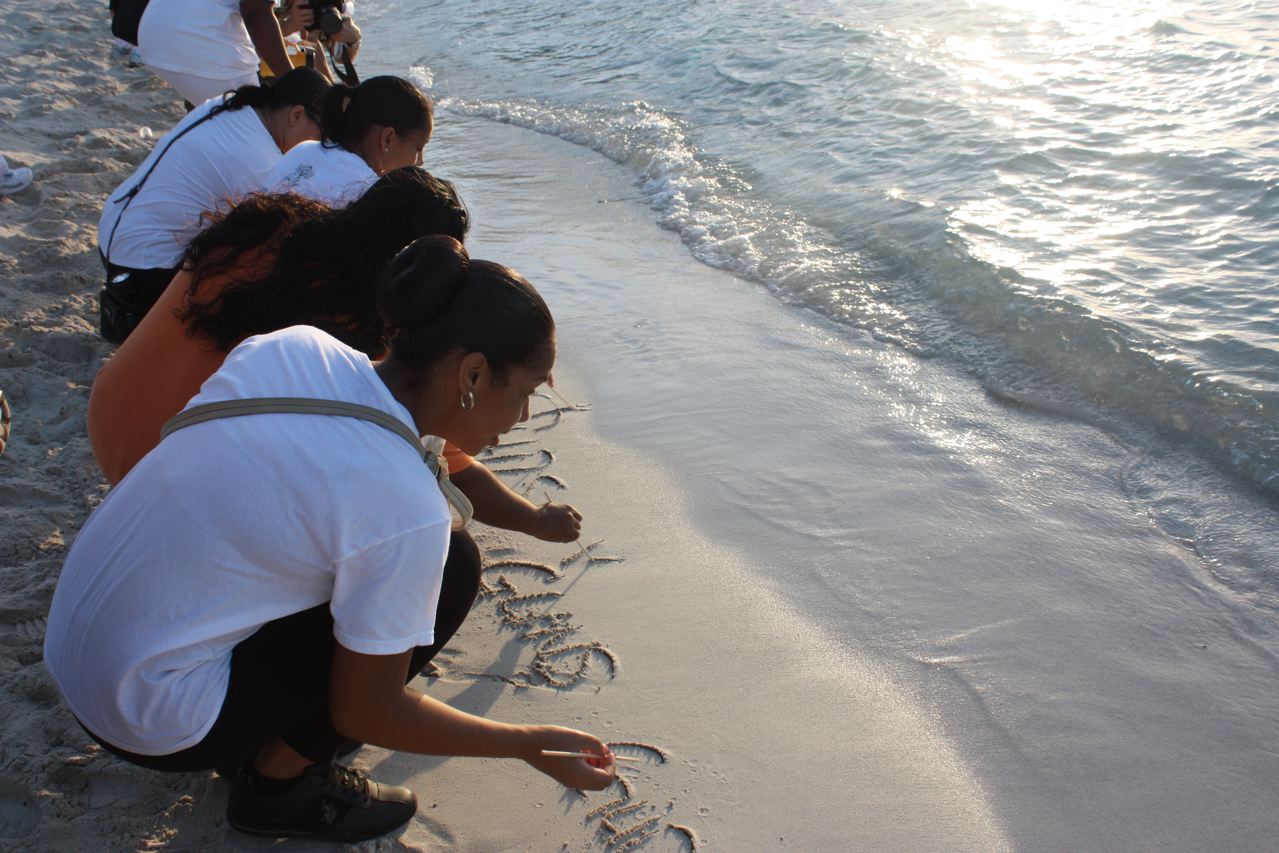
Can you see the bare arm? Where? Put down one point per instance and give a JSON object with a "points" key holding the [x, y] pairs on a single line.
{"points": [[264, 32], [369, 702], [498, 506]]}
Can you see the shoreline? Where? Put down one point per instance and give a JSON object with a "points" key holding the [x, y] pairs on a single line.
{"points": [[878, 546], [59, 791], [840, 598]]}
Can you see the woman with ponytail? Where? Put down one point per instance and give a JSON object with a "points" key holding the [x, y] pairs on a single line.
{"points": [[219, 153], [261, 588], [368, 130]]}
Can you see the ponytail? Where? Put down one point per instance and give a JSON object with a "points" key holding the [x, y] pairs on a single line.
{"points": [[422, 280], [301, 87]]}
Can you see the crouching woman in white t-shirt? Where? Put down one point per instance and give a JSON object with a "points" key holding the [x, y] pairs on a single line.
{"points": [[368, 130], [263, 586], [219, 153]]}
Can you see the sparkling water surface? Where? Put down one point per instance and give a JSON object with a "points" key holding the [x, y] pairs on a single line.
{"points": [[1076, 202]]}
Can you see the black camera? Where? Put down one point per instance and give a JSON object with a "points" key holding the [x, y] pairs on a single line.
{"points": [[328, 16]]}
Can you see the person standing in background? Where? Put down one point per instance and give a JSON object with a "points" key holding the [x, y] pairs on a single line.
{"points": [[204, 48]]}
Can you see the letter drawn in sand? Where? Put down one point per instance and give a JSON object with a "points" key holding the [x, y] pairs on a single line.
{"points": [[562, 657], [588, 552]]}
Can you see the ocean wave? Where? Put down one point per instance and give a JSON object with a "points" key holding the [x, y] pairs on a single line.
{"points": [[911, 279], [708, 204]]}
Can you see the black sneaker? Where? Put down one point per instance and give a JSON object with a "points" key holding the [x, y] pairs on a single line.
{"points": [[329, 802]]}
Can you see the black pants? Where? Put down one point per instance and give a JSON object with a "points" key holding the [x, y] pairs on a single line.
{"points": [[279, 684], [127, 297]]}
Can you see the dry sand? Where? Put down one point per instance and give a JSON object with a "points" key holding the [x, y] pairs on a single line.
{"points": [[72, 113]]}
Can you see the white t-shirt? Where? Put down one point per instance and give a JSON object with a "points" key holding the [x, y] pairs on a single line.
{"points": [[326, 173], [229, 524], [205, 38], [214, 165]]}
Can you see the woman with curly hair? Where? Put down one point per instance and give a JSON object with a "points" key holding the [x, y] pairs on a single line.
{"points": [[266, 264]]}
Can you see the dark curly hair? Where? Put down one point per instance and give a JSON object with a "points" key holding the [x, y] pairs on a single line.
{"points": [[321, 265]]}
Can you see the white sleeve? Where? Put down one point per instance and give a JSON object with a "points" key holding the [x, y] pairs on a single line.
{"points": [[385, 596]]}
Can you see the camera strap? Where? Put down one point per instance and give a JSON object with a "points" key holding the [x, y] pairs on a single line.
{"points": [[128, 197], [348, 75]]}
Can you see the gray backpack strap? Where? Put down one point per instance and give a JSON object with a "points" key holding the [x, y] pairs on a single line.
{"points": [[293, 406], [309, 406]]}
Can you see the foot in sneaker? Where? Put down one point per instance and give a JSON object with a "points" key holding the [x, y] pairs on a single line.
{"points": [[13, 180], [328, 802]]}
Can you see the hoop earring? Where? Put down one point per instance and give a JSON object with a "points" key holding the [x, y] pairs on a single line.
{"points": [[468, 401]]}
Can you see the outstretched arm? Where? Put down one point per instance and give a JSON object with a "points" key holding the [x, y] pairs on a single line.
{"points": [[496, 505], [369, 702]]}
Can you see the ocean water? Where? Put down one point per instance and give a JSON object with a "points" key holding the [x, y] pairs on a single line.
{"points": [[959, 326], [1077, 203]]}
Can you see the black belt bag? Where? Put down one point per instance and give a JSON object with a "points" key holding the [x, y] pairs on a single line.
{"points": [[127, 297]]}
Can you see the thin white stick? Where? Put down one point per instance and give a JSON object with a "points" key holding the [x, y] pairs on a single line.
{"points": [[555, 753], [563, 399]]}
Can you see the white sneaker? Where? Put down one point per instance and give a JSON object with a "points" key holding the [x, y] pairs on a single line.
{"points": [[13, 180]]}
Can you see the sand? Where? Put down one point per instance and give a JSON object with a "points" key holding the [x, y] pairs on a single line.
{"points": [[649, 634]]}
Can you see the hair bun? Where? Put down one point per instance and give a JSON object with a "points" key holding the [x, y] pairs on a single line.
{"points": [[420, 282]]}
